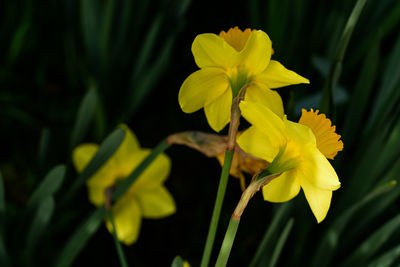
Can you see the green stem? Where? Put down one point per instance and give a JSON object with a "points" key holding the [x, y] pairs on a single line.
{"points": [[120, 190], [118, 246], [217, 208], [228, 242]]}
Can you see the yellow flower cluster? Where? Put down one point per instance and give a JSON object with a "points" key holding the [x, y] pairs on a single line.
{"points": [[147, 197], [297, 151], [227, 63]]}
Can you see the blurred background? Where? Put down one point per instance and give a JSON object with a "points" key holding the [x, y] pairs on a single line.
{"points": [[71, 71]]}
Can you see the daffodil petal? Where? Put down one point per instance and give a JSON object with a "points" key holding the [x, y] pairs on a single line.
{"points": [[318, 171], [299, 133], [127, 218], [283, 188], [211, 50], [276, 75], [261, 94], [201, 88], [218, 112], [256, 54], [154, 175], [318, 199], [96, 194], [83, 154], [265, 120], [256, 143], [156, 203], [129, 145]]}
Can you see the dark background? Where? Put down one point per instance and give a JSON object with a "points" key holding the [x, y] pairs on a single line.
{"points": [[53, 52]]}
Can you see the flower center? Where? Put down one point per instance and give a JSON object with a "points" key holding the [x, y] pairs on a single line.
{"points": [[238, 78], [236, 37], [327, 139], [288, 158]]}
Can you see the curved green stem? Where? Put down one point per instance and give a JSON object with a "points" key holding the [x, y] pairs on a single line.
{"points": [[217, 208], [228, 242]]}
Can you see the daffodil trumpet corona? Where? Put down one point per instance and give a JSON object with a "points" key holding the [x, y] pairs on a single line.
{"points": [[229, 62], [297, 151]]}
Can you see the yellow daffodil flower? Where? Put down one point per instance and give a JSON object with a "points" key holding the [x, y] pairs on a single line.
{"points": [[297, 150], [227, 63], [147, 197]]}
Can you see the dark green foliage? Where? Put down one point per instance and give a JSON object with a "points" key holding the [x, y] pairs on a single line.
{"points": [[71, 71]]}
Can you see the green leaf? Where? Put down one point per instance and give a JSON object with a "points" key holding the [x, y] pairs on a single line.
{"points": [[91, 33], [374, 210], [142, 87], [386, 24], [177, 262], [50, 185], [38, 226], [388, 93], [84, 117], [254, 11], [364, 175], [267, 243], [148, 46], [21, 34], [373, 243], [80, 237], [329, 242], [106, 26], [362, 92], [328, 96], [106, 150], [276, 26], [386, 259], [281, 242]]}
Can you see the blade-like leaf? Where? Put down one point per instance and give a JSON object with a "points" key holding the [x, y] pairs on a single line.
{"points": [[84, 117], [38, 226], [281, 242], [91, 33], [267, 242], [362, 91], [373, 243], [386, 259], [106, 150], [146, 83], [328, 95], [329, 242], [50, 185], [80, 237], [177, 262], [388, 93]]}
